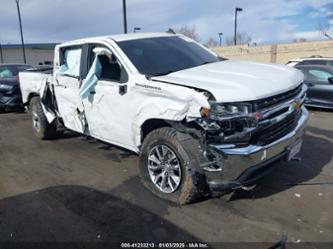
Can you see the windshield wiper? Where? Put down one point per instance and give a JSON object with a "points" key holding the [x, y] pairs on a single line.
{"points": [[204, 63], [162, 74]]}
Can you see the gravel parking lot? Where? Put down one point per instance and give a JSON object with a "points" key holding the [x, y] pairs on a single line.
{"points": [[79, 189]]}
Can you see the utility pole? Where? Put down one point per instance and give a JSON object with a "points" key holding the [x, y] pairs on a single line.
{"points": [[235, 34], [20, 23], [1, 54], [125, 16]]}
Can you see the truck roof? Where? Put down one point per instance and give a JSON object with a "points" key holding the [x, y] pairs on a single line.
{"points": [[118, 37]]}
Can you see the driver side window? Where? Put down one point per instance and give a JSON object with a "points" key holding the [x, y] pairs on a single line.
{"points": [[111, 68]]}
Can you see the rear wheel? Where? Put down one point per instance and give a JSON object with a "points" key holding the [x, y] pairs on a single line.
{"points": [[41, 127], [167, 167]]}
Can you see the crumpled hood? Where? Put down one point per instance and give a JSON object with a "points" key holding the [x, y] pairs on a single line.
{"points": [[234, 81]]}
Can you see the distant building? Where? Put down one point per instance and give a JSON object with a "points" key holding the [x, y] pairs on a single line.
{"points": [[36, 54]]}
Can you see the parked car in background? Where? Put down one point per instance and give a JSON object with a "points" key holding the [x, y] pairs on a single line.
{"points": [[319, 80], [10, 94], [312, 60]]}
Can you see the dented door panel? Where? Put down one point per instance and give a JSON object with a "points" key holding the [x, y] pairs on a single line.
{"points": [[118, 118], [69, 103], [107, 113]]}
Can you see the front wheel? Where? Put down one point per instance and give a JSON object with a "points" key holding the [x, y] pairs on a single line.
{"points": [[41, 127], [167, 167]]}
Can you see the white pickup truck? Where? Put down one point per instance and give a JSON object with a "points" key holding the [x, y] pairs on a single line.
{"points": [[200, 124]]}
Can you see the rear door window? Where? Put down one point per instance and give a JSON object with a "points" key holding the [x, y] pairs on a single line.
{"points": [[71, 62]]}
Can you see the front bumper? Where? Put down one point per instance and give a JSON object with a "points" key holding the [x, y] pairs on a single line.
{"points": [[243, 166]]}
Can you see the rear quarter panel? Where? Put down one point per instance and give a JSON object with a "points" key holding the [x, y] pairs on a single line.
{"points": [[31, 82]]}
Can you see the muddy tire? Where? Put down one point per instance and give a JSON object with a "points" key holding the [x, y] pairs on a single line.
{"points": [[40, 125], [168, 167]]}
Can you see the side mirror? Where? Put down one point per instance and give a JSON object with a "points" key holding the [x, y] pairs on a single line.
{"points": [[103, 51], [330, 80]]}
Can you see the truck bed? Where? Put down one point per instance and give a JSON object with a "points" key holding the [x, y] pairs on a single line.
{"points": [[32, 81]]}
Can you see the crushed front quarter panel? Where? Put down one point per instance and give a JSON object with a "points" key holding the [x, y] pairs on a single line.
{"points": [[159, 100]]}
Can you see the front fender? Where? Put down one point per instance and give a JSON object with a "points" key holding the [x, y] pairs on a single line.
{"points": [[166, 102]]}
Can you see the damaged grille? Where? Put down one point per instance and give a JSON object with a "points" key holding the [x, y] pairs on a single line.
{"points": [[278, 116], [273, 132], [277, 99]]}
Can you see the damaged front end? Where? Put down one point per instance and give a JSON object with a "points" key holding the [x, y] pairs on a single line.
{"points": [[239, 141]]}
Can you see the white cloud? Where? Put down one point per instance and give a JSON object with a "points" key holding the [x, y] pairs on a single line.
{"points": [[264, 21], [311, 35], [59, 20]]}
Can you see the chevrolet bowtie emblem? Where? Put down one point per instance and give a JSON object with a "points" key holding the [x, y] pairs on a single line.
{"points": [[296, 105]]}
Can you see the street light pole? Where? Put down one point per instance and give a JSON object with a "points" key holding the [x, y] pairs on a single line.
{"points": [[1, 55], [220, 35], [235, 34], [20, 23], [125, 16]]}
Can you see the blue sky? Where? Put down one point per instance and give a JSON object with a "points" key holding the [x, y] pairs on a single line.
{"points": [[267, 21]]}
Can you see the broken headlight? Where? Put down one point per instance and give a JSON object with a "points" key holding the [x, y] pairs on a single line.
{"points": [[230, 122], [225, 111]]}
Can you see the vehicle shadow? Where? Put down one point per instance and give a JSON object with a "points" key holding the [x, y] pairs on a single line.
{"points": [[114, 152], [319, 131], [18, 111], [81, 214], [319, 109], [64, 134], [286, 175]]}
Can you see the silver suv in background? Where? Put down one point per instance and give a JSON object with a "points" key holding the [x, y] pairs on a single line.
{"points": [[312, 60]]}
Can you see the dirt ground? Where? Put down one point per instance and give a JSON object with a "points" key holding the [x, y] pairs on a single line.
{"points": [[75, 189]]}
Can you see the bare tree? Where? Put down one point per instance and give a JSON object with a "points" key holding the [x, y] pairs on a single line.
{"points": [[190, 32], [242, 38], [324, 27], [211, 42]]}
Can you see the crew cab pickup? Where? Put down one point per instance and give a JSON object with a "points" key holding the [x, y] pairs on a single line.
{"points": [[200, 124]]}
